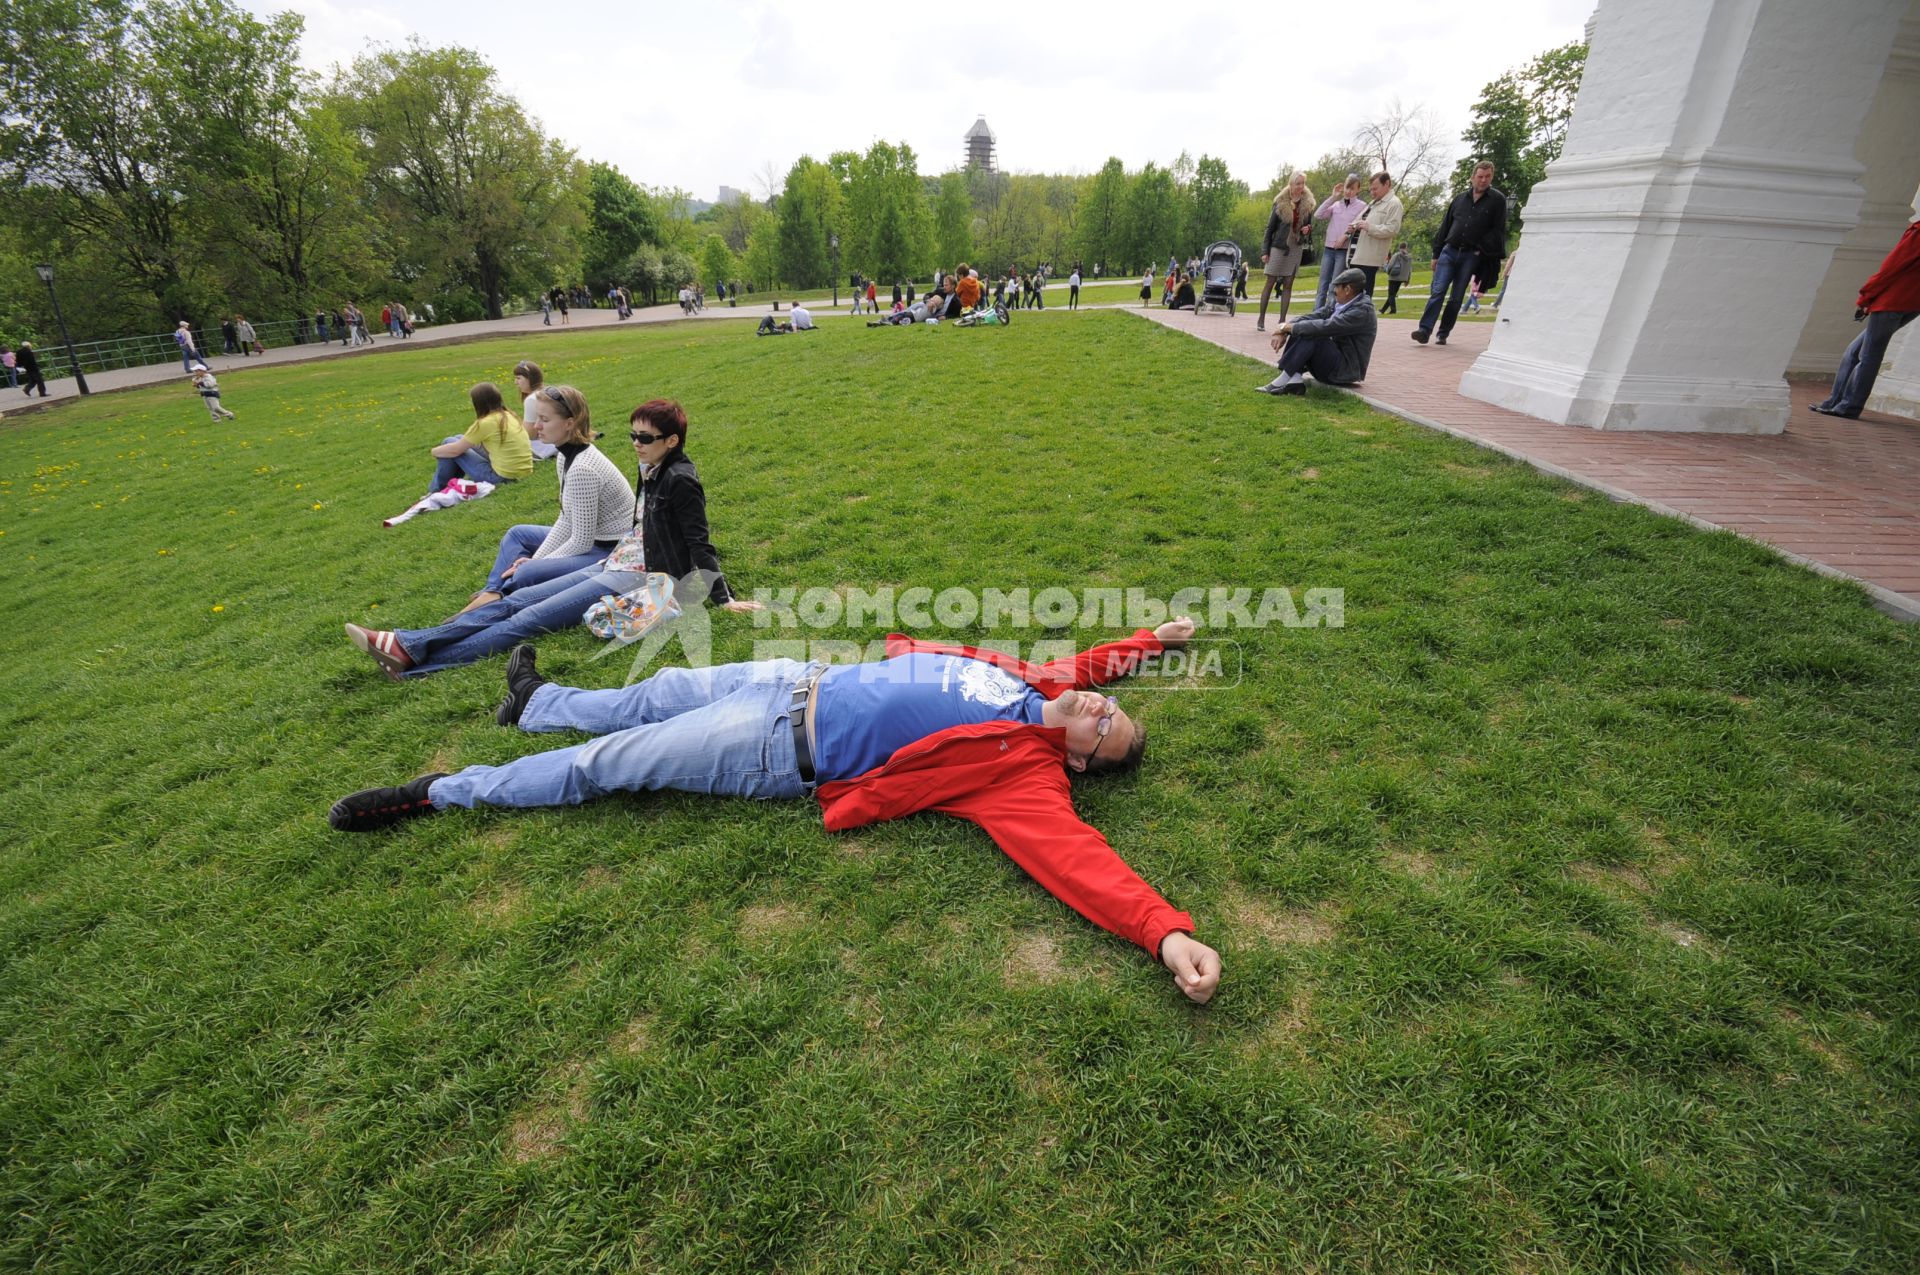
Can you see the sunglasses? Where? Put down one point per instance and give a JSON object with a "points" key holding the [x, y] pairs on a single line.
{"points": [[555, 396], [646, 439]]}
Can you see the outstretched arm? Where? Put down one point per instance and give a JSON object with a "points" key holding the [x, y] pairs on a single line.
{"points": [[1110, 661]]}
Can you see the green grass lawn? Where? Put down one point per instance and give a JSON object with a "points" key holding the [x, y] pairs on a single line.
{"points": [[1567, 894]]}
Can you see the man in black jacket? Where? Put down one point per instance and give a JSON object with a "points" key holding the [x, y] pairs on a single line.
{"points": [[1472, 243], [1334, 342], [30, 373]]}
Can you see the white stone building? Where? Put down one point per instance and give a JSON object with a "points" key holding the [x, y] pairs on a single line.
{"points": [[1733, 171]]}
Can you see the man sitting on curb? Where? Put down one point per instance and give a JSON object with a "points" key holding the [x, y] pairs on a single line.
{"points": [[1334, 342], [971, 733]]}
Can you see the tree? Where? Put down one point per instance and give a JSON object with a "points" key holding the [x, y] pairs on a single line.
{"points": [[619, 220], [1102, 207], [1403, 143], [1210, 199], [479, 196], [1520, 123], [952, 220], [644, 272], [885, 226], [717, 262], [809, 203], [104, 106], [737, 219], [1152, 223]]}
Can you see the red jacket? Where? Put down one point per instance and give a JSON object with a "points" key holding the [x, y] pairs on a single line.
{"points": [[1896, 284], [1011, 779]]}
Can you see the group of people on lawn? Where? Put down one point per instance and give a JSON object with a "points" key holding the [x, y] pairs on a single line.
{"points": [[933, 727]]}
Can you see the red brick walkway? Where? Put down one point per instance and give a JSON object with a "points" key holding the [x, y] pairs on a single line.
{"points": [[1842, 497]]}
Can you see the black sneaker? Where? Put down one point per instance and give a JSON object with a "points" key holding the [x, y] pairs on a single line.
{"points": [[372, 808], [522, 682], [1441, 339]]}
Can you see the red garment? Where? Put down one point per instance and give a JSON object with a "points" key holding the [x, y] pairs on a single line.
{"points": [[1011, 779], [1895, 285]]}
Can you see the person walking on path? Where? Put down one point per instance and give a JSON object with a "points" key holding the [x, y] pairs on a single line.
{"points": [[1376, 228], [1073, 288], [1289, 227], [30, 374], [189, 353], [10, 362], [546, 309], [229, 337], [249, 339], [1889, 301], [1399, 270], [973, 733], [1471, 244], [1339, 211], [1146, 288]]}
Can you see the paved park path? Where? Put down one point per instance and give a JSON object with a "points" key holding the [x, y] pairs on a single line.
{"points": [[1841, 497]]}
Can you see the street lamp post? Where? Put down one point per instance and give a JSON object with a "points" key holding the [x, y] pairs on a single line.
{"points": [[45, 271], [833, 241]]}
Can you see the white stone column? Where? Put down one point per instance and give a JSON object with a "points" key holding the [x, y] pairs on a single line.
{"points": [[1889, 149], [1672, 254]]}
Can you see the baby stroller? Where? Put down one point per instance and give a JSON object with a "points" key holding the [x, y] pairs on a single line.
{"points": [[1222, 266]]}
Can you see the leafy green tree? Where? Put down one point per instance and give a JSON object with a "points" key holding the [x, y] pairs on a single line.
{"points": [[677, 267], [1151, 224], [737, 219], [644, 272], [760, 262], [886, 227], [953, 220], [103, 109], [478, 195], [619, 220], [717, 261], [809, 204], [1211, 196], [1102, 209], [1520, 123]]}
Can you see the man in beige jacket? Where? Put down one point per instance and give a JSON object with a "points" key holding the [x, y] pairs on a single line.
{"points": [[1376, 228]]}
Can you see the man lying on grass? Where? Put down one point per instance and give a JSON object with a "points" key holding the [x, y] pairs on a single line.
{"points": [[971, 733]]}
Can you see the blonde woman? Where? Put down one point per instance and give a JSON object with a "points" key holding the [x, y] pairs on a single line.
{"points": [[1288, 229], [596, 503]]}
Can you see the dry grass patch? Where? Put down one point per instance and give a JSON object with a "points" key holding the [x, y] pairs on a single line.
{"points": [[1309, 474], [635, 1038], [769, 920], [1411, 863], [1293, 927], [1614, 878], [1683, 936], [1033, 958], [538, 1130], [598, 877], [501, 904]]}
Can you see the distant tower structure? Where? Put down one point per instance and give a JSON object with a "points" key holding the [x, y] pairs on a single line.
{"points": [[980, 145]]}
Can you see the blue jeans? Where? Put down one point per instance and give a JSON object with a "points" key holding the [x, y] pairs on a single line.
{"points": [[1332, 262], [520, 542], [546, 607], [1860, 365], [722, 731], [472, 463], [187, 357], [1451, 270]]}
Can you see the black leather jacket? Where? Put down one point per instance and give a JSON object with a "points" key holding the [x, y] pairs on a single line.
{"points": [[674, 517]]}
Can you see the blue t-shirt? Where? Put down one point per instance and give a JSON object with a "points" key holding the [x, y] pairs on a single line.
{"points": [[865, 713]]}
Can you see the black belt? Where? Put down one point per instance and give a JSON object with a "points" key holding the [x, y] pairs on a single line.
{"points": [[797, 713]]}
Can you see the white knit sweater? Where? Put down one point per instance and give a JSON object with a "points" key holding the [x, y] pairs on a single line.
{"points": [[596, 503]]}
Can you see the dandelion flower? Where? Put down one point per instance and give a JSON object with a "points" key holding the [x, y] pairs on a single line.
{"points": [[218, 607]]}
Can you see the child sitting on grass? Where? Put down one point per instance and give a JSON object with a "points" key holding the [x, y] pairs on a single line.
{"points": [[494, 449], [209, 392]]}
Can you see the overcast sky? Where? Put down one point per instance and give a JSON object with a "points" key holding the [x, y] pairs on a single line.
{"points": [[699, 95]]}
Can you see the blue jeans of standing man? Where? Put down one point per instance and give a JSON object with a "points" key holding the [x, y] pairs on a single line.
{"points": [[723, 731], [1860, 365], [472, 463], [1451, 270], [1332, 262], [546, 607]]}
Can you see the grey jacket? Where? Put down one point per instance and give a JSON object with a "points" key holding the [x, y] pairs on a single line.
{"points": [[1351, 333], [1400, 266]]}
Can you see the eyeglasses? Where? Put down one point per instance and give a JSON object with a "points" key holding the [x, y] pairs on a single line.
{"points": [[555, 396], [1103, 726], [645, 439]]}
